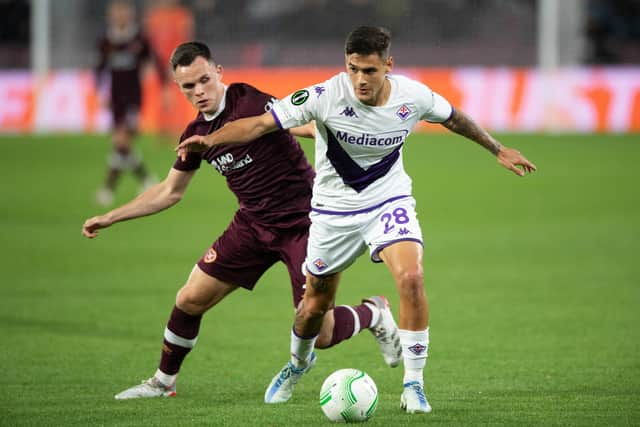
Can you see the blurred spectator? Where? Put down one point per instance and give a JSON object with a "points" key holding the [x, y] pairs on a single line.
{"points": [[14, 33], [124, 50], [168, 23], [613, 31]]}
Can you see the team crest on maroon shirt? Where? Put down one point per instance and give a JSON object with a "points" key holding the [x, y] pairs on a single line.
{"points": [[320, 264], [210, 256], [403, 112]]}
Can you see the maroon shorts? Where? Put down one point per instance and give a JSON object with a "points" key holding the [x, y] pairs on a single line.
{"points": [[246, 250], [125, 113]]}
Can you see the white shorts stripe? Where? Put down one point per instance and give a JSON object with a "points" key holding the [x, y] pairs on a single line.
{"points": [[356, 320], [178, 340]]}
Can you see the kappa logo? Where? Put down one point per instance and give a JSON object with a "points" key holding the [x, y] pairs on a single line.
{"points": [[403, 112], [417, 349], [320, 264], [403, 231], [300, 97], [210, 256], [348, 112], [319, 90]]}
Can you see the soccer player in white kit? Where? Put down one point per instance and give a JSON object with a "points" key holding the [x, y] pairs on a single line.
{"points": [[361, 194]]}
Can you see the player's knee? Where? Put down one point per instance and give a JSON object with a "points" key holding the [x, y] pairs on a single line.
{"points": [[411, 283], [121, 142], [322, 342], [191, 302]]}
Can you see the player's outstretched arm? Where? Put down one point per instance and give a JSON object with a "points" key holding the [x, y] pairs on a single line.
{"points": [[155, 199], [510, 158], [237, 132], [305, 131]]}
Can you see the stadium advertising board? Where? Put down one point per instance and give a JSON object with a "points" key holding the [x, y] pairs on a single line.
{"points": [[501, 99]]}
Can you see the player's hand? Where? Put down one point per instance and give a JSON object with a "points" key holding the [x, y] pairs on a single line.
{"points": [[92, 225], [511, 158], [193, 144]]}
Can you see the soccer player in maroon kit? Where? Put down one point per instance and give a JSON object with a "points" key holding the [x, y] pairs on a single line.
{"points": [[272, 180], [124, 50]]}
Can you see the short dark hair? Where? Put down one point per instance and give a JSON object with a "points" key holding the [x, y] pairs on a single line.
{"points": [[368, 40], [186, 53]]}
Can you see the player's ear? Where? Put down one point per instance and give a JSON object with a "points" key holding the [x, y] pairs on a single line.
{"points": [[219, 70], [389, 64]]}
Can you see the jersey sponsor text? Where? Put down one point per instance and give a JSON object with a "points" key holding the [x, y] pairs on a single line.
{"points": [[383, 139]]}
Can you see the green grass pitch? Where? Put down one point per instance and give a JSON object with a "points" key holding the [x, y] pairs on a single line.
{"points": [[533, 283]]}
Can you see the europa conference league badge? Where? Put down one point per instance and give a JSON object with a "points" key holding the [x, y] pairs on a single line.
{"points": [[300, 97]]}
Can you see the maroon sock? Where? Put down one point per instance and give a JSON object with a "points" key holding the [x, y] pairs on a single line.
{"points": [[179, 338], [345, 322]]}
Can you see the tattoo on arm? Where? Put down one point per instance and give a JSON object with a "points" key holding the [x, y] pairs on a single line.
{"points": [[464, 125], [321, 284]]}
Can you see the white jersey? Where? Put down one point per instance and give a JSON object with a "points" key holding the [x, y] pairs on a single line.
{"points": [[358, 158]]}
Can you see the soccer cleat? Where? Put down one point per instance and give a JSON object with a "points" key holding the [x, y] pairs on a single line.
{"points": [[413, 399], [385, 331], [104, 197], [281, 387], [149, 388]]}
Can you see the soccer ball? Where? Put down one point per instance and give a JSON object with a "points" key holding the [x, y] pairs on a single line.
{"points": [[348, 395]]}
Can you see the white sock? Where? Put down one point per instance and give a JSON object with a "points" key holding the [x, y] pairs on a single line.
{"points": [[415, 346], [301, 349], [375, 313], [165, 379]]}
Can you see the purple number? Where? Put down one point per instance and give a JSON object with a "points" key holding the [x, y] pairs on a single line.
{"points": [[400, 215], [386, 218]]}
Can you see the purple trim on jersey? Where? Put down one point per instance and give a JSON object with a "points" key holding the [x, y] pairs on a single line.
{"points": [[353, 174], [376, 251], [275, 116], [393, 199], [453, 110]]}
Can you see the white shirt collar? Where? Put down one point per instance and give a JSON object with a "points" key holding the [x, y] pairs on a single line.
{"points": [[209, 117]]}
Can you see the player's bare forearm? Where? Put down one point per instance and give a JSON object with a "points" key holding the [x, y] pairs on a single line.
{"points": [[237, 132], [305, 131], [155, 199], [464, 125], [510, 158]]}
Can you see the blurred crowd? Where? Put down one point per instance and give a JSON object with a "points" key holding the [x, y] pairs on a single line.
{"points": [[278, 32], [612, 29]]}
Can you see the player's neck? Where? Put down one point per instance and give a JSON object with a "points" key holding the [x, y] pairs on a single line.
{"points": [[384, 94]]}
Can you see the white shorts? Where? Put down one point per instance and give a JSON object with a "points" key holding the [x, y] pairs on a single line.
{"points": [[336, 240]]}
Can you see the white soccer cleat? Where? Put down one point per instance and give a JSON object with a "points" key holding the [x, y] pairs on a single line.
{"points": [[281, 387], [413, 399], [104, 197], [385, 331], [149, 388]]}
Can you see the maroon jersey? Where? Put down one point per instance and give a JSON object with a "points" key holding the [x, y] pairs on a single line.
{"points": [[124, 57], [270, 176]]}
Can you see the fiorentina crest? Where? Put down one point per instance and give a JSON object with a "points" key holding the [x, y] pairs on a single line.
{"points": [[403, 112], [320, 264]]}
